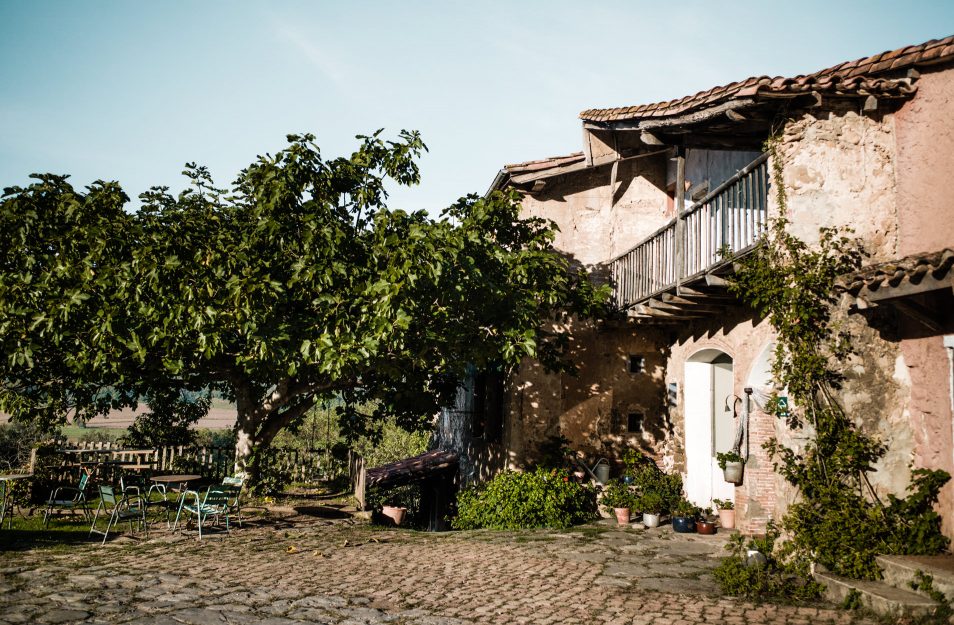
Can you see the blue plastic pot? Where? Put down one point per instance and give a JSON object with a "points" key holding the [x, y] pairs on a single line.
{"points": [[684, 524]]}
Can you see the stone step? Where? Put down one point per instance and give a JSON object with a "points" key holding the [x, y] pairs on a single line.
{"points": [[878, 597], [900, 571]]}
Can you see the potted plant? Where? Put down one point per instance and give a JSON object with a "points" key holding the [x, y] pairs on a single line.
{"points": [[732, 466], [618, 497], [395, 513], [651, 503], [726, 513], [684, 517], [705, 524]]}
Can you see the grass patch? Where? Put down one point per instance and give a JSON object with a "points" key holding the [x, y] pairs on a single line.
{"points": [[76, 433]]}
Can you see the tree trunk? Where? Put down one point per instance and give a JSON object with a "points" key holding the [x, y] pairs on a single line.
{"points": [[247, 424], [257, 425]]}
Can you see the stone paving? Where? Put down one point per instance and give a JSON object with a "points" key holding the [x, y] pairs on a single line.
{"points": [[297, 569]]}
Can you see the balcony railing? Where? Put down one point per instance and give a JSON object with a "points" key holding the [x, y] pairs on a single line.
{"points": [[727, 220]]}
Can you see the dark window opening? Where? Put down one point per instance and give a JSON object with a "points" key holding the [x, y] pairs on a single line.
{"points": [[487, 422], [634, 422], [637, 364]]}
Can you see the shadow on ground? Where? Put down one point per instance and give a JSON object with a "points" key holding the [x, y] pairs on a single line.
{"points": [[26, 540], [322, 512]]}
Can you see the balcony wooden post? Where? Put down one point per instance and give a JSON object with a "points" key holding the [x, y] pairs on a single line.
{"points": [[680, 202]]}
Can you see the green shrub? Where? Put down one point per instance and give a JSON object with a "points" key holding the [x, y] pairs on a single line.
{"points": [[648, 478], [617, 495], [172, 413], [389, 442], [684, 508], [541, 498], [726, 457], [650, 502], [773, 578]]}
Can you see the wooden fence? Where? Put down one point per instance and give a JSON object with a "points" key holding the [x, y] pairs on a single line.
{"points": [[212, 462]]}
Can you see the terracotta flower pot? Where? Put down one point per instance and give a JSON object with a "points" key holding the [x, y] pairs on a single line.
{"points": [[395, 513], [622, 515], [704, 526], [727, 519], [650, 520]]}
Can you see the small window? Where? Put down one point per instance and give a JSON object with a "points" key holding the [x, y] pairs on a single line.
{"points": [[637, 364], [634, 422]]}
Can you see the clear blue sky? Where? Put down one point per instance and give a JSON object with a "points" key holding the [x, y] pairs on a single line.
{"points": [[130, 91]]}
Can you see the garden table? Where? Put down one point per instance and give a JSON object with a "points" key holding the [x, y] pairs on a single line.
{"points": [[174, 482], [6, 499]]}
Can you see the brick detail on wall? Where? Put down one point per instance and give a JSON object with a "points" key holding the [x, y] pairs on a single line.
{"points": [[756, 498]]}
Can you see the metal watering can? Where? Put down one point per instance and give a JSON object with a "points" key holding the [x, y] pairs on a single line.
{"points": [[601, 470]]}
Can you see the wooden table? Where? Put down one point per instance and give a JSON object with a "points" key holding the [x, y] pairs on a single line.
{"points": [[6, 500], [174, 479], [174, 482]]}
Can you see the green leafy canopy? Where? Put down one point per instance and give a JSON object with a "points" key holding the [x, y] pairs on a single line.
{"points": [[297, 282]]}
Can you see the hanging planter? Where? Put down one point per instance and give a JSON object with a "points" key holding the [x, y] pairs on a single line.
{"points": [[732, 465]]}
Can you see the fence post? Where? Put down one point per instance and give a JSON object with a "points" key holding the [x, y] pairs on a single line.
{"points": [[359, 479]]}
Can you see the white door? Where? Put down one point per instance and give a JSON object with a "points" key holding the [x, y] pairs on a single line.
{"points": [[723, 424], [709, 427]]}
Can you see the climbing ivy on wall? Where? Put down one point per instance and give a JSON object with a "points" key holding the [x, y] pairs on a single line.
{"points": [[839, 520]]}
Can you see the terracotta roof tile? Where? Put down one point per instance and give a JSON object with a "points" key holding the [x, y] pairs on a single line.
{"points": [[544, 163], [866, 72], [911, 266]]}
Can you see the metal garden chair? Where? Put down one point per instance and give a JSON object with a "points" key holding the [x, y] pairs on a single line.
{"points": [[232, 486], [126, 508], [68, 498], [214, 504]]}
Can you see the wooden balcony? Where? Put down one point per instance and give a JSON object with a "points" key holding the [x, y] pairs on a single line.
{"points": [[667, 275]]}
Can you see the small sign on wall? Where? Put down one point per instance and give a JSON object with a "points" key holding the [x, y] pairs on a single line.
{"points": [[781, 407], [673, 393]]}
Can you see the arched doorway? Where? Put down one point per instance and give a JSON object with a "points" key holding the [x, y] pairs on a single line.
{"points": [[709, 424]]}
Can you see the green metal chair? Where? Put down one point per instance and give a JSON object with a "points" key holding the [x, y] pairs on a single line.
{"points": [[126, 508], [68, 498], [214, 504], [232, 486]]}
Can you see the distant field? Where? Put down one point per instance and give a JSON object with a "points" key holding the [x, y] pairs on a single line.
{"points": [[221, 417]]}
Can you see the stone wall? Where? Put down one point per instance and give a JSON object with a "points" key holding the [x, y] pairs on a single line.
{"points": [[598, 223], [839, 171], [591, 408]]}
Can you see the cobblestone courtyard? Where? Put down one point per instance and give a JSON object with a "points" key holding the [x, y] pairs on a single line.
{"points": [[304, 569]]}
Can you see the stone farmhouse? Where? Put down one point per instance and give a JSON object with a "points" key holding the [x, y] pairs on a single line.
{"points": [[651, 202]]}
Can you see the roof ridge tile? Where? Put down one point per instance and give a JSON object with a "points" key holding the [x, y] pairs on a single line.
{"points": [[835, 76]]}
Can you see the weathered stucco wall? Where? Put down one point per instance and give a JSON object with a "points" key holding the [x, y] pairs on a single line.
{"points": [[885, 175], [591, 409], [598, 223], [839, 171], [927, 365], [925, 146], [925, 206]]}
